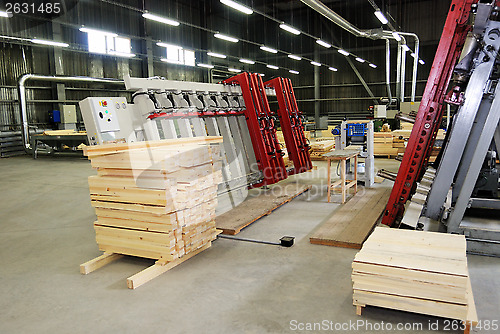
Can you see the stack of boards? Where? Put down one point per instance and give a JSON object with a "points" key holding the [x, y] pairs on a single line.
{"points": [[155, 199], [414, 271], [320, 147]]}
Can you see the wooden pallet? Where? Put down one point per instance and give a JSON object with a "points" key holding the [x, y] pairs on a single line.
{"points": [[414, 271], [351, 223], [252, 209], [144, 276]]}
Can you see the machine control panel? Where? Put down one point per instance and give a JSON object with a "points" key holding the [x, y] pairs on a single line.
{"points": [[106, 119]]}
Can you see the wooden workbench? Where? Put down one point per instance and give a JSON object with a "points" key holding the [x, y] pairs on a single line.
{"points": [[342, 155]]}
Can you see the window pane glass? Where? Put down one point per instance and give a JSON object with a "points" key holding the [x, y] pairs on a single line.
{"points": [[97, 42], [189, 58], [122, 45]]}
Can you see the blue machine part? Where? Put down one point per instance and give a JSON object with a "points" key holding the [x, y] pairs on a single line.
{"points": [[356, 129], [55, 116], [336, 131]]}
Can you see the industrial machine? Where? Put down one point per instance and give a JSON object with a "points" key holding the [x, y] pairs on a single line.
{"points": [[236, 109], [359, 134], [467, 165]]}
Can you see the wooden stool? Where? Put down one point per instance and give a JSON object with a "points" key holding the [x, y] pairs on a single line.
{"points": [[342, 156]]}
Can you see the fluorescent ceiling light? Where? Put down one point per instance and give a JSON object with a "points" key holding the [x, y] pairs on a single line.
{"points": [[373, 65], [343, 52], [234, 70], [265, 48], [216, 55], [405, 47], [226, 38], [122, 54], [272, 67], [315, 63], [247, 61], [171, 61], [332, 69], [52, 43], [361, 60], [160, 19], [261, 74], [323, 43], [380, 16], [293, 72], [95, 31], [4, 14], [421, 62], [290, 29], [237, 6], [396, 36], [205, 65], [165, 45], [294, 57]]}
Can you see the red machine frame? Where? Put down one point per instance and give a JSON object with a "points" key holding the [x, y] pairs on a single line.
{"points": [[291, 124], [431, 110], [260, 121]]}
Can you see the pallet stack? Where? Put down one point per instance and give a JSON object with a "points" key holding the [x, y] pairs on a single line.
{"points": [[421, 272], [383, 144], [155, 199]]}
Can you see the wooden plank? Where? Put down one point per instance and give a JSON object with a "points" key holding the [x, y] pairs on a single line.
{"points": [[422, 306], [98, 262], [159, 268], [351, 223], [104, 149], [252, 209]]}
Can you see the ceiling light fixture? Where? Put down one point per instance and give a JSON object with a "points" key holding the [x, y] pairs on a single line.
{"points": [[171, 61], [216, 55], [315, 63], [205, 65], [5, 14], [237, 6], [323, 43], [421, 62], [95, 31], [265, 48], [373, 65], [293, 72], [343, 52], [332, 69], [290, 29], [381, 17], [247, 61], [51, 43], [165, 45], [405, 48], [160, 19], [272, 67], [227, 38], [396, 36], [361, 60], [234, 70], [294, 57]]}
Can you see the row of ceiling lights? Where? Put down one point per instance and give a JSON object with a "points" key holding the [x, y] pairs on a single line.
{"points": [[249, 11]]}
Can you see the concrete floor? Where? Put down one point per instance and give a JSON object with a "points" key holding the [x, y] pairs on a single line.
{"points": [[233, 287]]}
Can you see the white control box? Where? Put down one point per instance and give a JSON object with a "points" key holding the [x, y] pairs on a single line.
{"points": [[107, 119], [380, 111]]}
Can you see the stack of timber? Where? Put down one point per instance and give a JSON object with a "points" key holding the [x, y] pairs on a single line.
{"points": [[281, 140], [155, 199], [320, 147], [383, 144], [11, 143], [413, 271]]}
